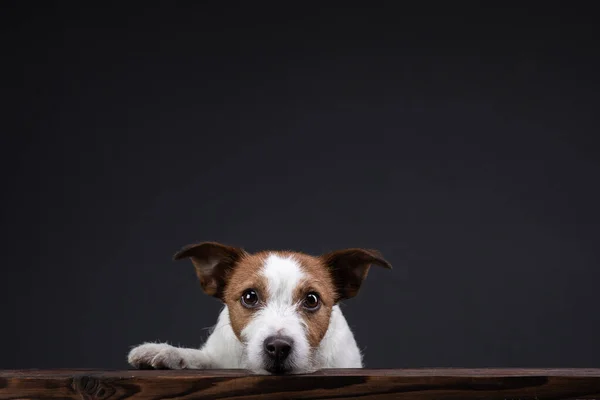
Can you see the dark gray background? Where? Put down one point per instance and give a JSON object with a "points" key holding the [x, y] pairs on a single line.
{"points": [[462, 143]]}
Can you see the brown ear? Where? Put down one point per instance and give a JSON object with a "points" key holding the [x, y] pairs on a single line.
{"points": [[213, 263], [350, 267]]}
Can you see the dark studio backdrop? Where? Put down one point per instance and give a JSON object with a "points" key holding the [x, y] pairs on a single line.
{"points": [[459, 141]]}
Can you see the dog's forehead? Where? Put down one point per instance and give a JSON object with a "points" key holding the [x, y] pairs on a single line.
{"points": [[282, 271], [278, 263], [283, 274]]}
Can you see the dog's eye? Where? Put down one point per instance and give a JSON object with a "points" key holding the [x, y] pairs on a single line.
{"points": [[250, 298], [311, 302]]}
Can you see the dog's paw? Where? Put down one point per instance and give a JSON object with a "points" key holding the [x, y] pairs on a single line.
{"points": [[157, 356]]}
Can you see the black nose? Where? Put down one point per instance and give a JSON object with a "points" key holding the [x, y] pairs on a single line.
{"points": [[278, 347]]}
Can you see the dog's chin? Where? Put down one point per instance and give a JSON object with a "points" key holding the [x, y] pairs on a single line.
{"points": [[275, 369], [279, 370]]}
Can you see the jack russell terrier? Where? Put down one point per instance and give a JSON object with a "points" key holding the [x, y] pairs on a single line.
{"points": [[281, 313]]}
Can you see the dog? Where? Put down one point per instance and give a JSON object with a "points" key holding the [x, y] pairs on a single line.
{"points": [[281, 313]]}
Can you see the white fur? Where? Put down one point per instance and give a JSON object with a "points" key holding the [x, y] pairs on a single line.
{"points": [[279, 316], [338, 349]]}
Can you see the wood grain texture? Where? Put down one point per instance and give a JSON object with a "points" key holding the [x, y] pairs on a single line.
{"points": [[436, 384]]}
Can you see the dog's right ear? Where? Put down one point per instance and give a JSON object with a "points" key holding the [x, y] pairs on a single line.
{"points": [[213, 262]]}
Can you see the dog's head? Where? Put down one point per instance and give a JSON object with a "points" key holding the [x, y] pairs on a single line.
{"points": [[279, 302]]}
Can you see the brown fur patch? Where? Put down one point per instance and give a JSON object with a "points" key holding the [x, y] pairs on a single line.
{"points": [[246, 275], [320, 281]]}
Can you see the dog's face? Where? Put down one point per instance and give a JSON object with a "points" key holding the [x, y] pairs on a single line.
{"points": [[279, 302]]}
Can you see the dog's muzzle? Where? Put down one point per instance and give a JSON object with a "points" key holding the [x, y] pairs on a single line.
{"points": [[277, 350]]}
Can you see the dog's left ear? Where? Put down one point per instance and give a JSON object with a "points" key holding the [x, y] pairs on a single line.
{"points": [[213, 262], [350, 267]]}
